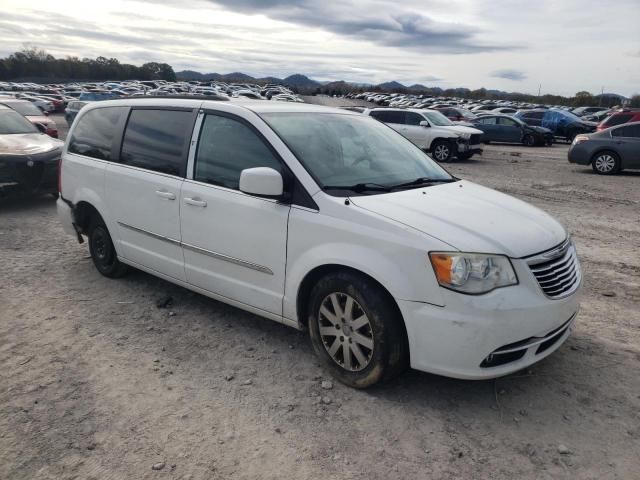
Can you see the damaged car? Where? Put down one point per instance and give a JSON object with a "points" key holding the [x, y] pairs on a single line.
{"points": [[28, 157]]}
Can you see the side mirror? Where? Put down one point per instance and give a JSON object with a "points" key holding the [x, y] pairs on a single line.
{"points": [[261, 182], [424, 123], [41, 127]]}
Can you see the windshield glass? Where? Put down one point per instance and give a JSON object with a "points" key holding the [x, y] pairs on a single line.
{"points": [[12, 122], [25, 108], [346, 150], [437, 119]]}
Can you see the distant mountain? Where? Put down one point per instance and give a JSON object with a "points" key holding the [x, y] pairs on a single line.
{"points": [[417, 86], [391, 86], [300, 81], [270, 80]]}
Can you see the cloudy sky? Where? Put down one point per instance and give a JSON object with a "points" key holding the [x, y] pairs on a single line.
{"points": [[514, 45]]}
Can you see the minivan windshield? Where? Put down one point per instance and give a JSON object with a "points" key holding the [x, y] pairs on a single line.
{"points": [[354, 153], [12, 123]]}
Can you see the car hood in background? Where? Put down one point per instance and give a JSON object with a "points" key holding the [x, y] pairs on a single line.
{"points": [[470, 218], [44, 120], [27, 144], [463, 130]]}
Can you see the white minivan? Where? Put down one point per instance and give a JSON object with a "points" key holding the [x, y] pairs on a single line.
{"points": [[325, 220]]}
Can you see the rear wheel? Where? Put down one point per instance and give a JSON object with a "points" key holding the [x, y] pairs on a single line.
{"points": [[102, 251], [356, 330], [606, 163], [441, 151]]}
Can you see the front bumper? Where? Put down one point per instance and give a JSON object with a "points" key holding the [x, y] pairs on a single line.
{"points": [[472, 336], [34, 173], [579, 154]]}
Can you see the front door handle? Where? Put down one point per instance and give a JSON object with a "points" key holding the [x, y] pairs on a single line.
{"points": [[195, 202], [165, 194]]}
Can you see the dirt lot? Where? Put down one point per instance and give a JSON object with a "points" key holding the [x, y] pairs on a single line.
{"points": [[99, 383]]}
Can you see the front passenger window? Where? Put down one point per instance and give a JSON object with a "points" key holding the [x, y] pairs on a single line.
{"points": [[225, 148]]}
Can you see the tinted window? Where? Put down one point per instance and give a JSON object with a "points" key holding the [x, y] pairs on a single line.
{"points": [[413, 118], [226, 147], [157, 140], [488, 120], [628, 131], [94, 134], [388, 116], [25, 108], [508, 122], [535, 115], [618, 119]]}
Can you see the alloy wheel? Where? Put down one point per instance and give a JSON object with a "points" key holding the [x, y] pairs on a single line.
{"points": [[345, 331], [441, 152]]}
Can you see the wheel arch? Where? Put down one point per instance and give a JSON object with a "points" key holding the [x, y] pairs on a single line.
{"points": [[603, 150], [83, 213], [312, 277]]}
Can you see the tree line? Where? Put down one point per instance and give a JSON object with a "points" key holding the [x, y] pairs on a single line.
{"points": [[37, 65]]}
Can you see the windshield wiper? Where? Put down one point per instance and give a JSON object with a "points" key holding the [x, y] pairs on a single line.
{"points": [[359, 187], [422, 181]]}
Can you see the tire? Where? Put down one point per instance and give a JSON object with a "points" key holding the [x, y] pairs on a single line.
{"points": [[529, 141], [548, 141], [102, 251], [441, 150], [606, 163], [367, 349]]}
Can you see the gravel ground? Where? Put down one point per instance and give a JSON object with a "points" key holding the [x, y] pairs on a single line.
{"points": [[99, 383]]}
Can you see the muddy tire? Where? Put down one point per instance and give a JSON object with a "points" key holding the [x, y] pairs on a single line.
{"points": [[102, 251], [356, 330]]}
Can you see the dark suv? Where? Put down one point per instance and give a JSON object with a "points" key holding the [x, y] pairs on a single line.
{"points": [[562, 124], [620, 117]]}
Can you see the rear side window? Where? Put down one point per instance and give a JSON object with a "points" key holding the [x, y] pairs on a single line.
{"points": [[488, 120], [225, 148], [618, 119], [388, 116], [157, 140], [534, 115], [628, 131], [94, 134]]}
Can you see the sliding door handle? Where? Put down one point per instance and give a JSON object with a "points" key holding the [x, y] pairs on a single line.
{"points": [[165, 194], [195, 202]]}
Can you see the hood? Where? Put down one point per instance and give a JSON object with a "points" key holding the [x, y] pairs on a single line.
{"points": [[44, 120], [471, 218], [27, 144], [539, 129], [463, 130]]}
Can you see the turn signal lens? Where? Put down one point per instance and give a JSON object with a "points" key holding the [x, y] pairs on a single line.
{"points": [[472, 273]]}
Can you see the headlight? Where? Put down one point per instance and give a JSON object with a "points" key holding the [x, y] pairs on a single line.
{"points": [[472, 273]]}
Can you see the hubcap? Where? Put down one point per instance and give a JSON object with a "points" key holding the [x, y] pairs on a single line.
{"points": [[605, 163], [441, 152], [345, 331]]}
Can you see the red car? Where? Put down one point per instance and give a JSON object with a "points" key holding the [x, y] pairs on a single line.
{"points": [[625, 115]]}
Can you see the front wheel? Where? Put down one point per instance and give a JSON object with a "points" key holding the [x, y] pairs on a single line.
{"points": [[442, 151], [606, 163], [356, 330], [102, 251], [529, 141]]}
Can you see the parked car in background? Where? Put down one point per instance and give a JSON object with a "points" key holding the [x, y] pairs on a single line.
{"points": [[619, 117], [582, 111], [327, 221], [432, 132], [457, 114], [608, 151], [505, 110], [508, 129], [32, 113], [28, 157], [562, 124], [42, 104], [73, 107]]}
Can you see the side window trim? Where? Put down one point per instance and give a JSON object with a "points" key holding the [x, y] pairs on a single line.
{"points": [[289, 178], [185, 147], [116, 146]]}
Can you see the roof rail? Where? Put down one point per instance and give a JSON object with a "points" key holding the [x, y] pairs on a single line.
{"points": [[182, 97]]}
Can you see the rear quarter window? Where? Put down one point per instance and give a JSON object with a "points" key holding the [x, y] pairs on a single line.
{"points": [[618, 119], [94, 134]]}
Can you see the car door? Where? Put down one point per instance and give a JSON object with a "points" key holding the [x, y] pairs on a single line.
{"points": [[234, 244], [490, 129], [627, 143], [510, 130], [419, 135], [144, 188]]}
